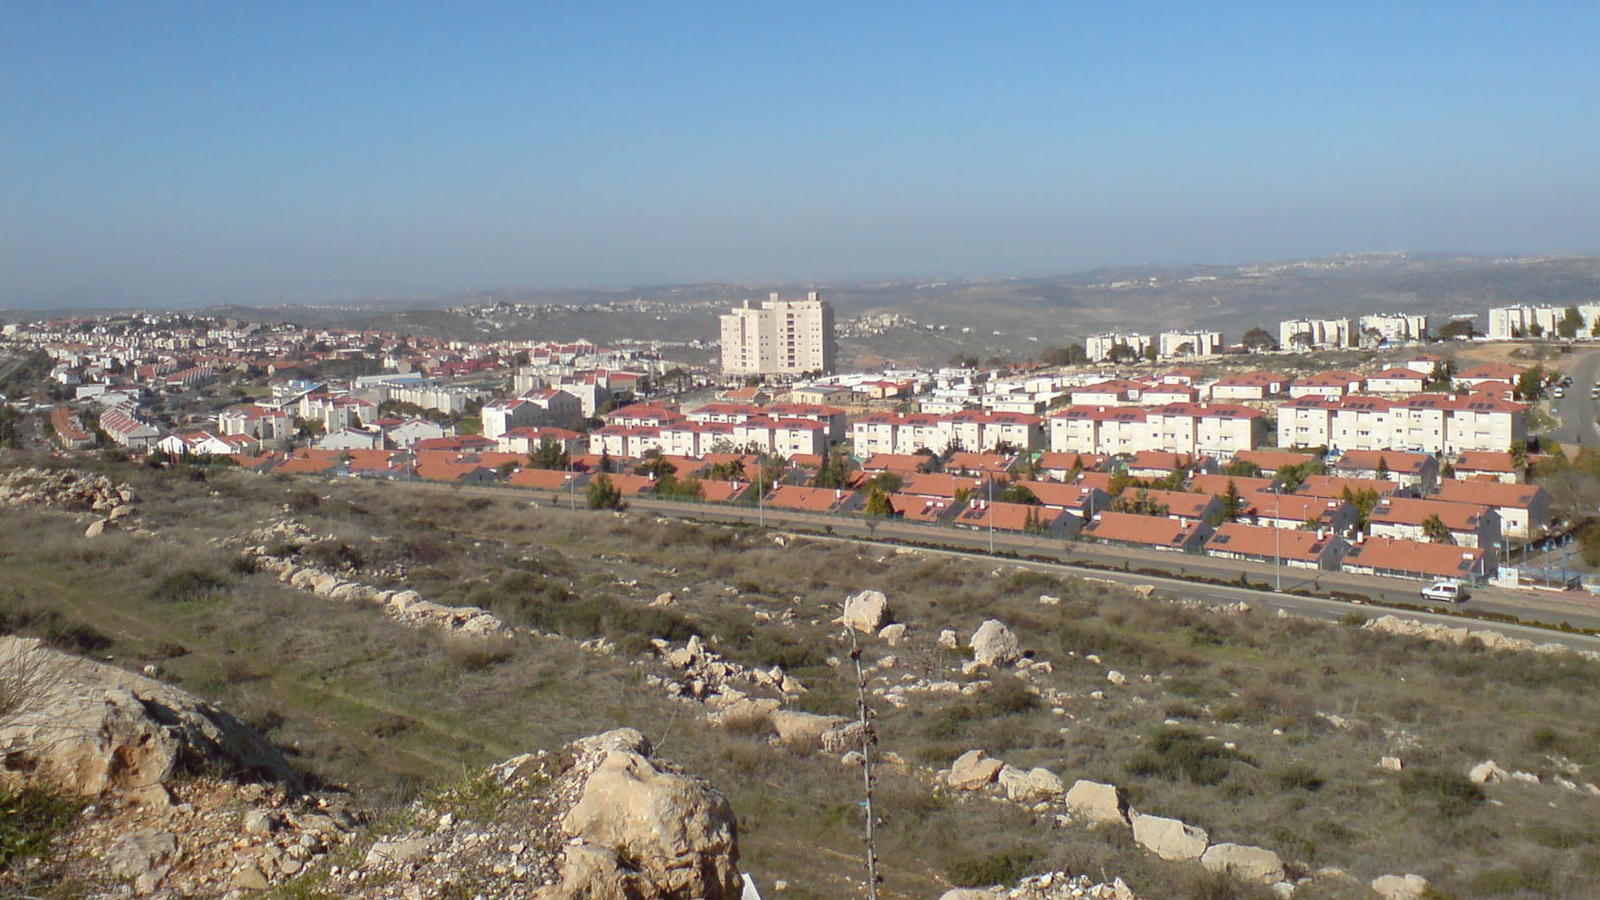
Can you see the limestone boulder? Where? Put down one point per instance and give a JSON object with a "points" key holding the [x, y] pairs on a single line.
{"points": [[866, 611], [973, 770], [1399, 887], [802, 728], [640, 829], [90, 728], [1170, 839], [1097, 802], [1487, 772], [893, 635], [993, 644], [1030, 786], [1245, 863]]}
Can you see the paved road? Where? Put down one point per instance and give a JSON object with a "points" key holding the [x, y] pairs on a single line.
{"points": [[1171, 572], [1578, 410]]}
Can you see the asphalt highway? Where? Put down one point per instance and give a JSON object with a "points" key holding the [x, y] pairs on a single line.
{"points": [[1578, 410]]}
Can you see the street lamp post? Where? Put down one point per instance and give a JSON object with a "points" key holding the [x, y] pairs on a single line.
{"points": [[990, 485], [1277, 542]]}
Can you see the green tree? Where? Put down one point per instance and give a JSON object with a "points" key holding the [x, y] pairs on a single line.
{"points": [[1232, 502], [1016, 493], [654, 466], [1456, 330], [602, 494], [1034, 523], [1364, 501], [835, 471], [1570, 322], [1258, 339], [886, 482], [1531, 383], [1383, 467], [1434, 529], [549, 455], [878, 504], [1241, 468], [1070, 355], [1122, 353]]}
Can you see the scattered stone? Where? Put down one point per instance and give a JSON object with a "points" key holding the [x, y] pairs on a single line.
{"points": [[140, 852], [948, 640], [802, 728], [1391, 763], [1116, 677], [1049, 600], [1031, 786], [893, 634], [249, 878], [389, 853]]}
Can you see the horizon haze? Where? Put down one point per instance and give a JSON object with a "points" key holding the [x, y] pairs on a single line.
{"points": [[169, 155]]}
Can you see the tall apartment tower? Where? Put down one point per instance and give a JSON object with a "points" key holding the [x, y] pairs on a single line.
{"points": [[779, 337]]}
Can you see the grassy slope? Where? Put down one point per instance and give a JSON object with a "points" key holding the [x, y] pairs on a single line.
{"points": [[381, 708]]}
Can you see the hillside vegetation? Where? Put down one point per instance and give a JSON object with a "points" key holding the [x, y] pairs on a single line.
{"points": [[1263, 730]]}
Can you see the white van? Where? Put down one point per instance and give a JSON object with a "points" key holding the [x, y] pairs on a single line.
{"points": [[1446, 591]]}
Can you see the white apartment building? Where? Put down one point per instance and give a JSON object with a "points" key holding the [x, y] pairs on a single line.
{"points": [[1395, 327], [1319, 334], [1189, 343], [1511, 322], [779, 337], [906, 433], [550, 406], [1099, 346], [1212, 429], [1429, 423]]}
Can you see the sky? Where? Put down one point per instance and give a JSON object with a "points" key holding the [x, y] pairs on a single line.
{"points": [[157, 153]]}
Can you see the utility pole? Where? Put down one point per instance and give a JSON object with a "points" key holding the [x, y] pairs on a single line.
{"points": [[869, 742]]}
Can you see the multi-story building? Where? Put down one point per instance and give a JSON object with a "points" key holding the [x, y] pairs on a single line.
{"points": [[1511, 322], [1429, 423], [1098, 347], [779, 337], [1394, 327], [1189, 343], [1213, 429], [907, 433], [1316, 334]]}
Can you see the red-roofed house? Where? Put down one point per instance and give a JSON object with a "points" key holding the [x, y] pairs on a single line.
{"points": [[1298, 549], [1248, 386], [927, 510], [1299, 510], [1524, 509], [1414, 559], [815, 500], [1418, 471], [1149, 532], [1470, 524], [1180, 505], [1396, 380], [1019, 518]]}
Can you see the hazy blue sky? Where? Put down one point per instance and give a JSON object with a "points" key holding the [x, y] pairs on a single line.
{"points": [[196, 152]]}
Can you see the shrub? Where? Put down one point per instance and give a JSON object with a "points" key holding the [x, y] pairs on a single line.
{"points": [[476, 654], [304, 501], [244, 564], [1299, 778], [982, 870], [1451, 793], [187, 585], [333, 555], [29, 820], [1179, 754]]}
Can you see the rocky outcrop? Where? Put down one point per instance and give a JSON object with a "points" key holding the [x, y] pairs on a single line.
{"points": [[67, 489], [866, 611], [1244, 863], [1493, 640], [1487, 772], [89, 728], [1048, 886], [1169, 839], [641, 829], [993, 644]]}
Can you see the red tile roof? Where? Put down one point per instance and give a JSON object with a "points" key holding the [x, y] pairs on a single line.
{"points": [[1153, 531]]}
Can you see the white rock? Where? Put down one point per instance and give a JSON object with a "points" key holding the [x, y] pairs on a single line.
{"points": [[1245, 863], [866, 611], [1169, 839], [1097, 802], [973, 770], [1399, 887], [1116, 677], [993, 644], [1486, 772], [893, 634]]}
